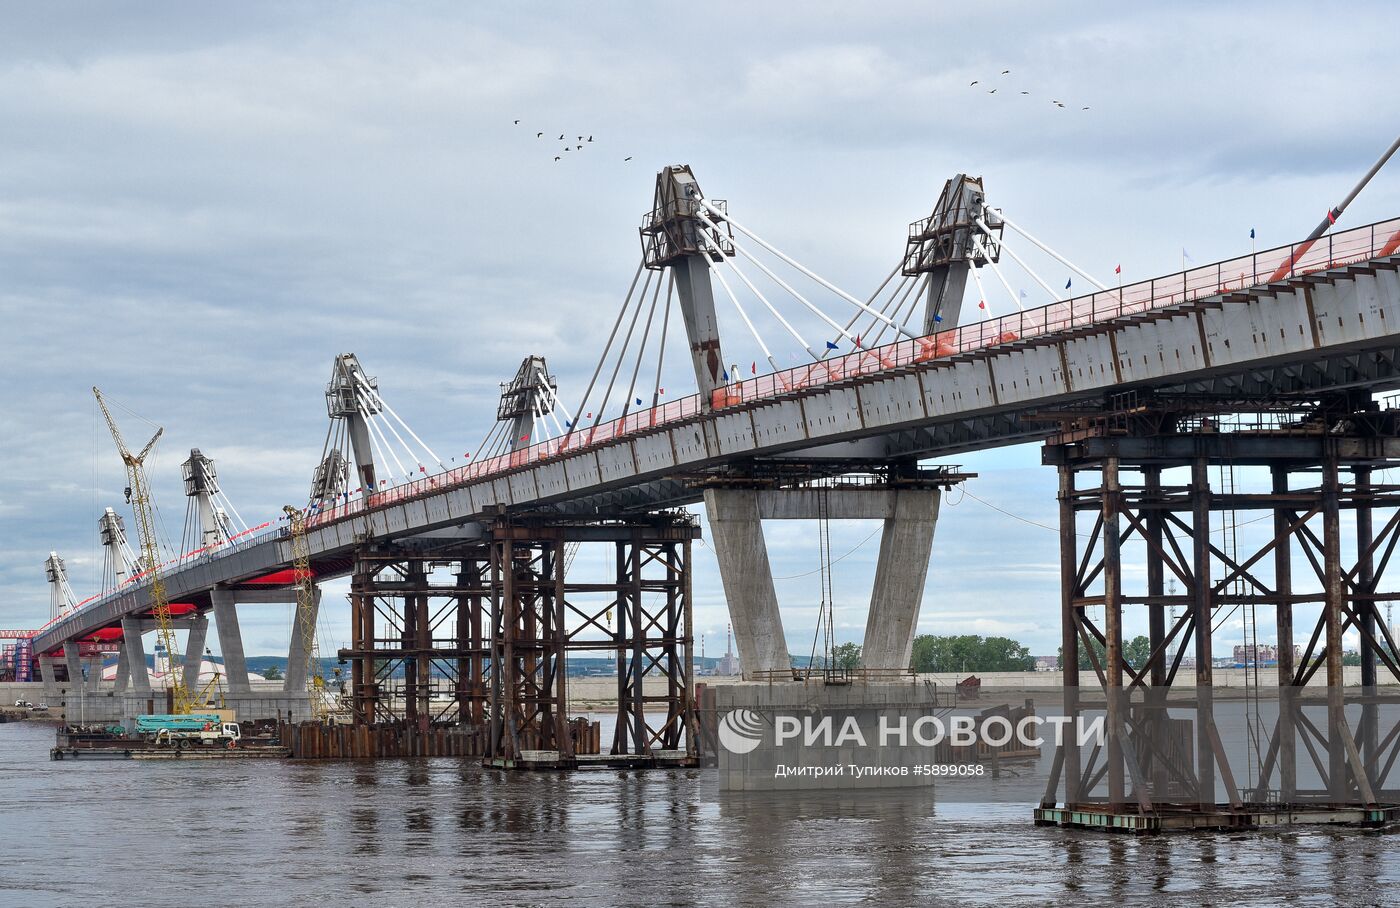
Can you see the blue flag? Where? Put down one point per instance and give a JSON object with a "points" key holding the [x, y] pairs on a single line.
{"points": [[1251, 233], [937, 317], [639, 401], [569, 423], [726, 374], [1068, 282], [831, 346]]}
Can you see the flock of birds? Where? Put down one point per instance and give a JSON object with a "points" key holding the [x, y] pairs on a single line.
{"points": [[580, 142], [1007, 72], [576, 146]]}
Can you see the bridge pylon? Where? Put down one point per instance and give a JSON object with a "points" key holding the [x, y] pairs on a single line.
{"points": [[945, 246], [675, 236], [672, 239]]}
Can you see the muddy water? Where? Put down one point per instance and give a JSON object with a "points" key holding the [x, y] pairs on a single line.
{"points": [[445, 832]]}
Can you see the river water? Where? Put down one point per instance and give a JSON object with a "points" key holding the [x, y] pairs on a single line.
{"points": [[446, 832]]}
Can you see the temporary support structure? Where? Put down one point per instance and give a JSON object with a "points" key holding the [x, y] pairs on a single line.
{"points": [[1135, 476]]}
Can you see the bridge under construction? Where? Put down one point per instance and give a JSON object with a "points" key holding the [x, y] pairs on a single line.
{"points": [[1146, 396]]}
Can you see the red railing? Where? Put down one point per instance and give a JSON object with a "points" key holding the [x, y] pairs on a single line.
{"points": [[1346, 247]]}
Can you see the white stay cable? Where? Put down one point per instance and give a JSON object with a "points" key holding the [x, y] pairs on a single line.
{"points": [[1024, 267], [545, 407], [776, 314], [379, 457], [409, 452], [763, 299], [981, 250], [555, 402], [888, 307], [908, 287], [735, 300], [597, 370], [641, 351], [981, 293], [407, 428], [873, 297], [374, 429], [811, 274], [234, 511], [799, 297], [559, 430], [916, 290], [375, 426], [1052, 253], [661, 353]]}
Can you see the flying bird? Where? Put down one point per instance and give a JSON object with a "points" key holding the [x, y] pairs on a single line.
{"points": [[556, 157], [1005, 71], [628, 158], [590, 138], [580, 148], [517, 122], [561, 136], [539, 135], [1025, 92], [992, 92], [973, 82], [1084, 108]]}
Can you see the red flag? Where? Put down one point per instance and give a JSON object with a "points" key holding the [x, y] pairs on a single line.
{"points": [[753, 367], [1331, 218], [660, 390], [1118, 270], [981, 304], [857, 340]]}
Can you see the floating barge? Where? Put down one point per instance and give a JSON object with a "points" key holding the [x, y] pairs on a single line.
{"points": [[1168, 819], [136, 750], [112, 745]]}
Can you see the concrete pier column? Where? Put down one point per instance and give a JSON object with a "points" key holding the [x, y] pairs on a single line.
{"points": [[136, 657], [48, 668], [123, 676], [737, 533], [906, 545], [194, 652], [74, 661], [230, 641], [94, 672], [294, 681]]}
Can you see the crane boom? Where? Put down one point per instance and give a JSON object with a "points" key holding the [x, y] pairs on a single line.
{"points": [[138, 490], [306, 611], [1330, 218]]}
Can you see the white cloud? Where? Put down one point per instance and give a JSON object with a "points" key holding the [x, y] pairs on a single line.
{"points": [[199, 208]]}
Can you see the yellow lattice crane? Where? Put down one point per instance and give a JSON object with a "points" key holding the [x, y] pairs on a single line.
{"points": [[138, 492], [306, 612]]}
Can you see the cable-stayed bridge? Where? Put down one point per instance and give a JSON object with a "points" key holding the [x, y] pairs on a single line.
{"points": [[907, 374]]}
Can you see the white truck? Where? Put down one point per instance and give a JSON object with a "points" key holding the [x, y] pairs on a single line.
{"points": [[183, 732]]}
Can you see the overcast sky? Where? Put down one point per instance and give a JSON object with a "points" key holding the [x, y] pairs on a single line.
{"points": [[200, 207]]}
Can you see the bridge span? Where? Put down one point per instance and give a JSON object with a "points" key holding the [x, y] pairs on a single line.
{"points": [[1313, 326], [1216, 331]]}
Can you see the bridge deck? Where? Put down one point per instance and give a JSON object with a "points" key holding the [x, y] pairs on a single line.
{"points": [[961, 389]]}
